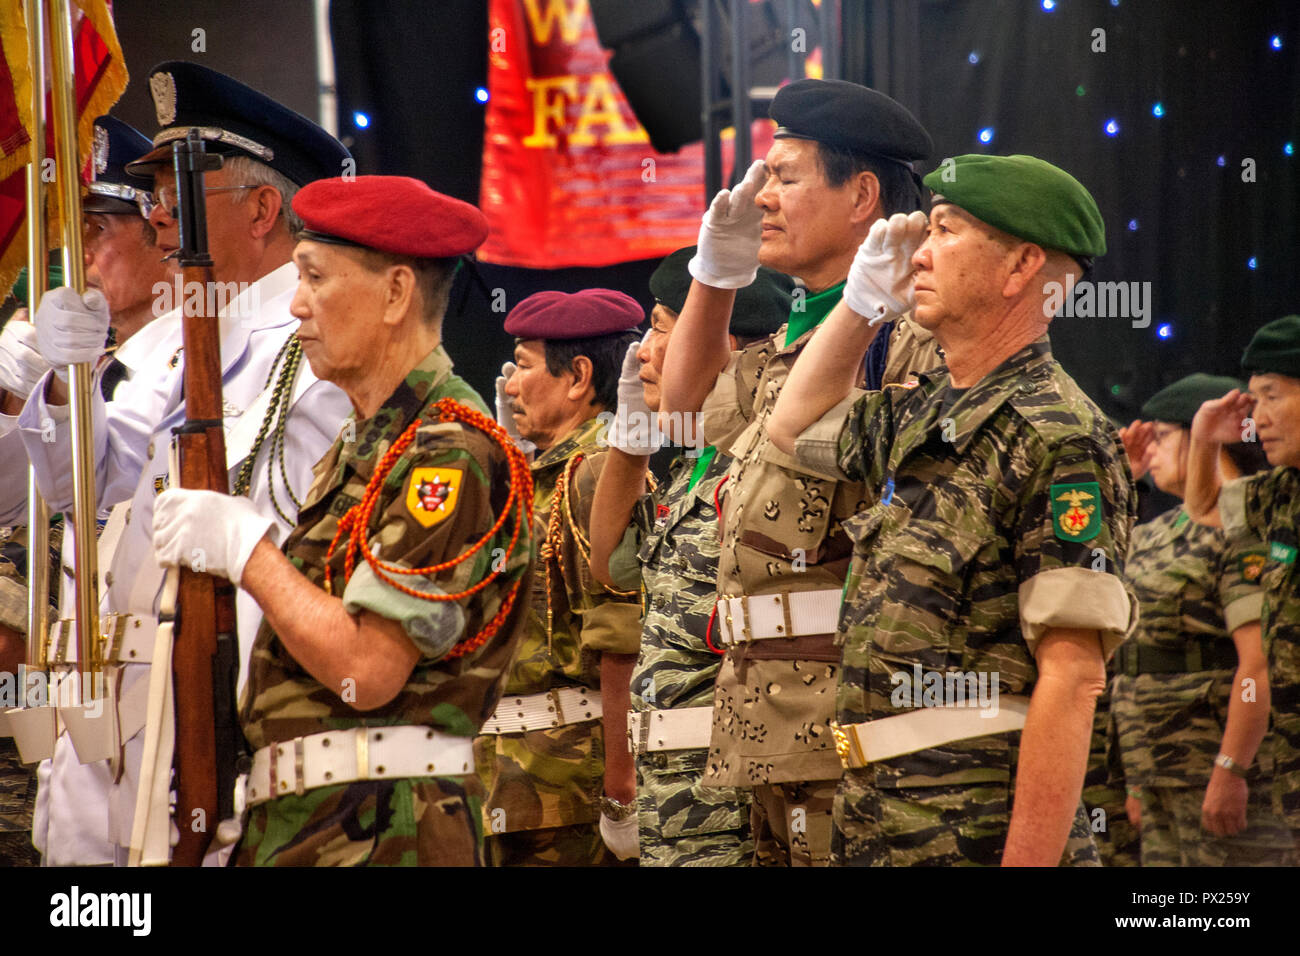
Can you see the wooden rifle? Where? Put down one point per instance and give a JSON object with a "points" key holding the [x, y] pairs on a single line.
{"points": [[205, 657]]}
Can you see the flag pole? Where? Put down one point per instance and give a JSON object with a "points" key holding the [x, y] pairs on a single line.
{"points": [[38, 514], [68, 176]]}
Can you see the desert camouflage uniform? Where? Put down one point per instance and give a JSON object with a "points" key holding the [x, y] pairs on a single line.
{"points": [[682, 822], [543, 785], [964, 557], [1194, 588], [1117, 840], [18, 783], [1267, 507], [781, 532], [414, 821]]}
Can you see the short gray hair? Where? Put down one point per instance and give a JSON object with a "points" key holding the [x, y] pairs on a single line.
{"points": [[246, 171]]}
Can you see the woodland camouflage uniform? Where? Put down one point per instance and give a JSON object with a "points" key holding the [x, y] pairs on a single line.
{"points": [[433, 820], [993, 514], [543, 785]]}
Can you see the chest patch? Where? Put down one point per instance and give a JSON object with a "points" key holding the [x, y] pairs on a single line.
{"points": [[1076, 511], [432, 492], [1282, 553]]}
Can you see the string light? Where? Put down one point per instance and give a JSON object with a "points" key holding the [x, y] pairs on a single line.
{"points": [[361, 119], [1112, 128], [1158, 110], [481, 94], [986, 135]]}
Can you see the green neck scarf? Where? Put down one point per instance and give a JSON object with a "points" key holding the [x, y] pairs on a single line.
{"points": [[707, 454], [815, 308]]}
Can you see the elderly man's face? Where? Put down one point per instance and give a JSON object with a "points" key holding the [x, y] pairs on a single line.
{"points": [[340, 304], [958, 270], [542, 404], [652, 351], [122, 262], [805, 220], [227, 215], [1277, 417]]}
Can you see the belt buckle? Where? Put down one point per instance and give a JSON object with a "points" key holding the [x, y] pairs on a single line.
{"points": [[112, 628], [554, 695], [744, 604], [846, 747]]}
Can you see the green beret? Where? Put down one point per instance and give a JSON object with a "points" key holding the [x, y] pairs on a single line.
{"points": [[1275, 349], [55, 279], [1027, 197], [761, 307], [849, 116], [1179, 402]]}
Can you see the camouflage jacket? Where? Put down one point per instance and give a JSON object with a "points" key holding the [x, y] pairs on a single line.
{"points": [[989, 523], [1267, 506], [553, 777], [1191, 582], [441, 497], [679, 570]]}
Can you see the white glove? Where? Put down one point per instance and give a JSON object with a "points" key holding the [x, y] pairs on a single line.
{"points": [[21, 364], [504, 418], [71, 329], [635, 429], [621, 836], [732, 231], [207, 531], [879, 286]]}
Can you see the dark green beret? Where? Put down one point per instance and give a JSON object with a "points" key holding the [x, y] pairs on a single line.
{"points": [[55, 279], [1275, 349], [761, 307], [1027, 197], [849, 116], [1179, 402]]}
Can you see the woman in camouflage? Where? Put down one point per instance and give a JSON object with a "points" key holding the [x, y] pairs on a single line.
{"points": [[1190, 699]]}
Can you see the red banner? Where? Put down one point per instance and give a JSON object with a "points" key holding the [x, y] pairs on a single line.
{"points": [[569, 178]]}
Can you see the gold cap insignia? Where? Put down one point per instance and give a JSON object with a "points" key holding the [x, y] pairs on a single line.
{"points": [[163, 89], [100, 150]]}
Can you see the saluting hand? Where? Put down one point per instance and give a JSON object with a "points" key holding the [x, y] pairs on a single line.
{"points": [[879, 286], [1220, 419], [634, 429], [1139, 444], [504, 418], [730, 235]]}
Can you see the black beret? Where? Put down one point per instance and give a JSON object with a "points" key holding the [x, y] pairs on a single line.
{"points": [[112, 188], [1179, 402], [849, 116], [761, 307], [236, 120], [1275, 349]]}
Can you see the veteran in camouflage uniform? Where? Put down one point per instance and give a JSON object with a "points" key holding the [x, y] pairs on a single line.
{"points": [[670, 552], [554, 756], [987, 555], [841, 160], [1265, 507], [1190, 701], [393, 612]]}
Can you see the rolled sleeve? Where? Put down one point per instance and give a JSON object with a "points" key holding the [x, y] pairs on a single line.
{"points": [[818, 445], [612, 627], [1077, 598], [434, 627], [1232, 508], [1243, 611]]}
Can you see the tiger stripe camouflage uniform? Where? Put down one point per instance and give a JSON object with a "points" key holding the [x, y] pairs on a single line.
{"points": [[1118, 841], [965, 555], [1194, 588], [1267, 507], [682, 822], [434, 820], [782, 532], [543, 785]]}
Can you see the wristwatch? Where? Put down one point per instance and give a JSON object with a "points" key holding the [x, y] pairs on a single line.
{"points": [[1230, 765], [614, 810]]}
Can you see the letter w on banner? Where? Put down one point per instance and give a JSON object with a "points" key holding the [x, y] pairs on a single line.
{"points": [[569, 178], [101, 78]]}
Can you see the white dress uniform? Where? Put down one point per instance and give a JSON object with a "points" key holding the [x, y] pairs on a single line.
{"points": [[132, 441]]}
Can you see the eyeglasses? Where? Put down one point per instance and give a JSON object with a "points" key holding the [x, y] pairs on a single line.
{"points": [[168, 197]]}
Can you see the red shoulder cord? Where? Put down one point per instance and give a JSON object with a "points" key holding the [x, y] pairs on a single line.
{"points": [[520, 500]]}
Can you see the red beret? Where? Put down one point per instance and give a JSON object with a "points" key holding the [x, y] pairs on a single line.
{"points": [[394, 214], [580, 315]]}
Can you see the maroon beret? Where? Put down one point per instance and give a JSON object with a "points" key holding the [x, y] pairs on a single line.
{"points": [[578, 315], [394, 214]]}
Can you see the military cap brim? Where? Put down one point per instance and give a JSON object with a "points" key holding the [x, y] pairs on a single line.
{"points": [[236, 120], [113, 190]]}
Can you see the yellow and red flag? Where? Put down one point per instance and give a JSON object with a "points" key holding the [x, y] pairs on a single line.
{"points": [[100, 79]]}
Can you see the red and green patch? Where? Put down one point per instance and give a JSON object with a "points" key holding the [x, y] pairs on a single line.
{"points": [[1076, 510]]}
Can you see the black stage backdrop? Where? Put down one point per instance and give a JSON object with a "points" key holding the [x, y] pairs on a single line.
{"points": [[1219, 253]]}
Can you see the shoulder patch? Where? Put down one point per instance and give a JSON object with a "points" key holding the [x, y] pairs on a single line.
{"points": [[431, 493], [1252, 565], [1282, 553], [1076, 511]]}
